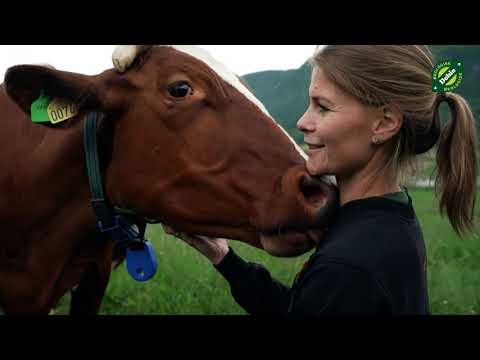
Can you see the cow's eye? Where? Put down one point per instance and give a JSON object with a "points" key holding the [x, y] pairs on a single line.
{"points": [[180, 89]]}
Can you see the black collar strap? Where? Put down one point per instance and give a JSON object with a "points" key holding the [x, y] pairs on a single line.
{"points": [[122, 229], [115, 226]]}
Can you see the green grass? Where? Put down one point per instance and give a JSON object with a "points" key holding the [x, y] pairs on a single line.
{"points": [[186, 283], [453, 262]]}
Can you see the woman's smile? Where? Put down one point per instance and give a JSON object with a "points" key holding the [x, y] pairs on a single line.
{"points": [[313, 148]]}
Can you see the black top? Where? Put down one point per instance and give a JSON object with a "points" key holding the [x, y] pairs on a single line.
{"points": [[372, 261]]}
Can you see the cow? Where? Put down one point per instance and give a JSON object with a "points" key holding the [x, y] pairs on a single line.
{"points": [[181, 140]]}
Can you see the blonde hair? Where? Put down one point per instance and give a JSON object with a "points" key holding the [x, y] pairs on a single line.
{"points": [[401, 76]]}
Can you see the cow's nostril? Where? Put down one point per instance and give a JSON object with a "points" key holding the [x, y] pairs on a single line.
{"points": [[321, 196], [314, 190]]}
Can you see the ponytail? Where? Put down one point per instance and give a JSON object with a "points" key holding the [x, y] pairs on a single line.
{"points": [[455, 185]]}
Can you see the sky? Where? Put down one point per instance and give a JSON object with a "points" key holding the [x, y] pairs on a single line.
{"points": [[93, 59]]}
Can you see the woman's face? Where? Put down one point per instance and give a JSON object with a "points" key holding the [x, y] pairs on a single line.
{"points": [[337, 128]]}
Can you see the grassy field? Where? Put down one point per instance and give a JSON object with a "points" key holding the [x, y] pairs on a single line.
{"points": [[186, 283]]}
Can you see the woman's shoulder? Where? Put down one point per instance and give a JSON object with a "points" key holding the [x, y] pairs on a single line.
{"points": [[372, 217], [372, 231], [377, 208]]}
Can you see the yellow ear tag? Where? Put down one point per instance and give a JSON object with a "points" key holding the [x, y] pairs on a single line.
{"points": [[60, 110]]}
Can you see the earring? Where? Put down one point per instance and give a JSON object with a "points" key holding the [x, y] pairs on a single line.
{"points": [[375, 140]]}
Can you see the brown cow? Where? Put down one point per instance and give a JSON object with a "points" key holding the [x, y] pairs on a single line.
{"points": [[181, 140]]}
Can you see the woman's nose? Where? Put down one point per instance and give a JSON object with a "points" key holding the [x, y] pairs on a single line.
{"points": [[304, 124]]}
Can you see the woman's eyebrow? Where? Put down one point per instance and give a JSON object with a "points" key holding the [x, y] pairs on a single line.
{"points": [[321, 98]]}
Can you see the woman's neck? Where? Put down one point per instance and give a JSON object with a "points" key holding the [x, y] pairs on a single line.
{"points": [[365, 183]]}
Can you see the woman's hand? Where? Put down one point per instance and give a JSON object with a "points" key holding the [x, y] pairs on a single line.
{"points": [[214, 249]]}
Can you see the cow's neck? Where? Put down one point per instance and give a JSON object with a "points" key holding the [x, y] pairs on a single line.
{"points": [[46, 195], [53, 172]]}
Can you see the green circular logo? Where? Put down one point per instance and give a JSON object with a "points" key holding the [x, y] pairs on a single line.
{"points": [[447, 75]]}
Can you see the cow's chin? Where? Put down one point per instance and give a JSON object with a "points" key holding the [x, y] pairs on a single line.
{"points": [[284, 244], [290, 244]]}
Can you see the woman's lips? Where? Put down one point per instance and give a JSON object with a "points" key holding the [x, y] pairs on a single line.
{"points": [[314, 148]]}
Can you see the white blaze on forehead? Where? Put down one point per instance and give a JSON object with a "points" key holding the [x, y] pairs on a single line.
{"points": [[232, 79], [46, 65]]}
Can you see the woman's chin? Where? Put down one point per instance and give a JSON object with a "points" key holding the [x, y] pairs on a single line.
{"points": [[315, 168]]}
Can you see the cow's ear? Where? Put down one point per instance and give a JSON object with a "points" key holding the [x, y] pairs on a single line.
{"points": [[25, 83]]}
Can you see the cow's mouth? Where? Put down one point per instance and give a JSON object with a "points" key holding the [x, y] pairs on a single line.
{"points": [[289, 242]]}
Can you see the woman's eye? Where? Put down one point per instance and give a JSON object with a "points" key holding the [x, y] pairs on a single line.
{"points": [[322, 108], [180, 89]]}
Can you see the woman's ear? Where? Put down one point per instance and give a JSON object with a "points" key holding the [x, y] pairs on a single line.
{"points": [[388, 124]]}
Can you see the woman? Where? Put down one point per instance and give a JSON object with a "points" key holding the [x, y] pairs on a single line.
{"points": [[371, 112]]}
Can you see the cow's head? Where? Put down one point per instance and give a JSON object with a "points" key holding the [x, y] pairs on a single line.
{"points": [[191, 146]]}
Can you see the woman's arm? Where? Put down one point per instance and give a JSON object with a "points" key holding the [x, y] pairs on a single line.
{"points": [[251, 285]]}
